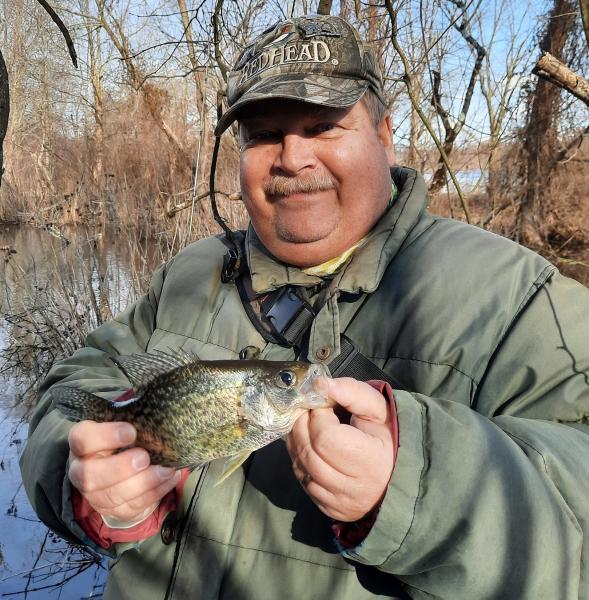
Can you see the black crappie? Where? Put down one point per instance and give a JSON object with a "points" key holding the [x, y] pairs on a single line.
{"points": [[188, 412]]}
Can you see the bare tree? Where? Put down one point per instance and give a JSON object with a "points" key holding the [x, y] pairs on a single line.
{"points": [[324, 7], [453, 129], [502, 69], [584, 5], [96, 74], [4, 83], [154, 98], [540, 135]]}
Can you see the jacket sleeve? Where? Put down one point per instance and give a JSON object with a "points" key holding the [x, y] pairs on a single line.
{"points": [[44, 459], [492, 500]]}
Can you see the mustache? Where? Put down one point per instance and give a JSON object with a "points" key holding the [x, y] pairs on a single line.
{"points": [[279, 185]]}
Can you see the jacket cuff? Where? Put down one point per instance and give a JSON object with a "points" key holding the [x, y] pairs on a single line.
{"points": [[350, 535], [104, 536], [394, 517]]}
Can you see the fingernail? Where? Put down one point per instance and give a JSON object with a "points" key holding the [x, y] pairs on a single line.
{"points": [[140, 461], [164, 472], [126, 434]]}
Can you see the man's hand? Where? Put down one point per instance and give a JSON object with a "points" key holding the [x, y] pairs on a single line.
{"points": [[123, 486], [344, 469]]}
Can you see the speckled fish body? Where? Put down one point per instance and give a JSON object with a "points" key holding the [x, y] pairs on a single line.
{"points": [[188, 412]]}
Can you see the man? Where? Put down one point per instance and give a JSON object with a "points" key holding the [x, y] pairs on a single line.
{"points": [[463, 473]]}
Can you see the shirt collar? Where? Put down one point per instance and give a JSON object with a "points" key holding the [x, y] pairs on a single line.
{"points": [[362, 269]]}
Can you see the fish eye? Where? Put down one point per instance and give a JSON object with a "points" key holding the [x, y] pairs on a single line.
{"points": [[287, 378]]}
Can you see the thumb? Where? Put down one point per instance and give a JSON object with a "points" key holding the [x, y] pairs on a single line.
{"points": [[357, 397]]}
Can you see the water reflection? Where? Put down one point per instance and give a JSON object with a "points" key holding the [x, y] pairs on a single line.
{"points": [[51, 294]]}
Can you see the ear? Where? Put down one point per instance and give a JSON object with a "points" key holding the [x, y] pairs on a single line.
{"points": [[385, 135]]}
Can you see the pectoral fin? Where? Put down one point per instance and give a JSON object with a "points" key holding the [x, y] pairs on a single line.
{"points": [[232, 464]]}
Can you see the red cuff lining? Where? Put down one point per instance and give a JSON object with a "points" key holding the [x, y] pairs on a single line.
{"points": [[104, 536]]}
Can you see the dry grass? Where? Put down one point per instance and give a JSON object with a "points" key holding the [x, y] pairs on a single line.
{"points": [[563, 219], [143, 175], [50, 309]]}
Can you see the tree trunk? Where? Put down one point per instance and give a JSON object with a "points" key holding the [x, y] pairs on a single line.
{"points": [[585, 18], [153, 97], [324, 7], [4, 110], [200, 88], [540, 136], [96, 73]]}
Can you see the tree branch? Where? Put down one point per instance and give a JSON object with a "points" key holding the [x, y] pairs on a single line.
{"points": [[4, 109], [216, 38], [409, 85], [585, 18], [452, 132], [551, 69], [171, 211], [66, 34], [568, 152]]}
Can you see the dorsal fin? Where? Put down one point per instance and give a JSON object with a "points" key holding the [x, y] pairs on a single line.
{"points": [[142, 369]]}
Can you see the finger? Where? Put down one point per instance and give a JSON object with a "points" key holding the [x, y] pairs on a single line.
{"points": [[358, 398], [133, 488], [346, 448], [299, 436], [327, 502], [87, 438], [133, 508], [371, 428], [101, 472], [306, 460], [309, 466]]}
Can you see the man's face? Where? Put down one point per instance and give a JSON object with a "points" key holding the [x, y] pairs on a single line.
{"points": [[314, 179]]}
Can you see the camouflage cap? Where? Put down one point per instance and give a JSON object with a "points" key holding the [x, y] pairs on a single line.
{"points": [[317, 59]]}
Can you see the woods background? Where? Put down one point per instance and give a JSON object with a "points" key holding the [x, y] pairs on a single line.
{"points": [[106, 167], [125, 140]]}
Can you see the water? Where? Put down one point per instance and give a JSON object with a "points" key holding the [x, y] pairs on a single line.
{"points": [[48, 274], [470, 180]]}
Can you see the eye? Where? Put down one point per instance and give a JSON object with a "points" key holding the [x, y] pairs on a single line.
{"points": [[261, 137], [323, 127], [286, 378]]}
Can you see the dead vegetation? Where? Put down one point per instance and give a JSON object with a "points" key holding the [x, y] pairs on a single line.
{"points": [[132, 148]]}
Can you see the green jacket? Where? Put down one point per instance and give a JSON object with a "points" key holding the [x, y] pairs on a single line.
{"points": [[488, 346]]}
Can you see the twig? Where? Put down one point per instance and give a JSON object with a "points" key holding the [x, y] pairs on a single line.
{"points": [[568, 152], [216, 39], [409, 85], [485, 221], [570, 261], [176, 209], [452, 131]]}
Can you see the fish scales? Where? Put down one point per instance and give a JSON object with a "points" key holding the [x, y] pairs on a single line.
{"points": [[188, 412]]}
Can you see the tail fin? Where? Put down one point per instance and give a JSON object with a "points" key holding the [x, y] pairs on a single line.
{"points": [[77, 405]]}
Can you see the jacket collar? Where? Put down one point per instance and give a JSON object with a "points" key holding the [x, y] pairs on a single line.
{"points": [[366, 267]]}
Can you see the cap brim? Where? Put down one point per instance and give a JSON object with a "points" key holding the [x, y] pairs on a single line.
{"points": [[319, 89]]}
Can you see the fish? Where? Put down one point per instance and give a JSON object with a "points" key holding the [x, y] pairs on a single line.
{"points": [[188, 412]]}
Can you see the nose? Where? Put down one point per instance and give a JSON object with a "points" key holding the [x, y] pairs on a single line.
{"points": [[296, 154]]}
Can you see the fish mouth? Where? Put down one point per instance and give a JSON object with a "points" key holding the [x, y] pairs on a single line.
{"points": [[314, 396]]}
